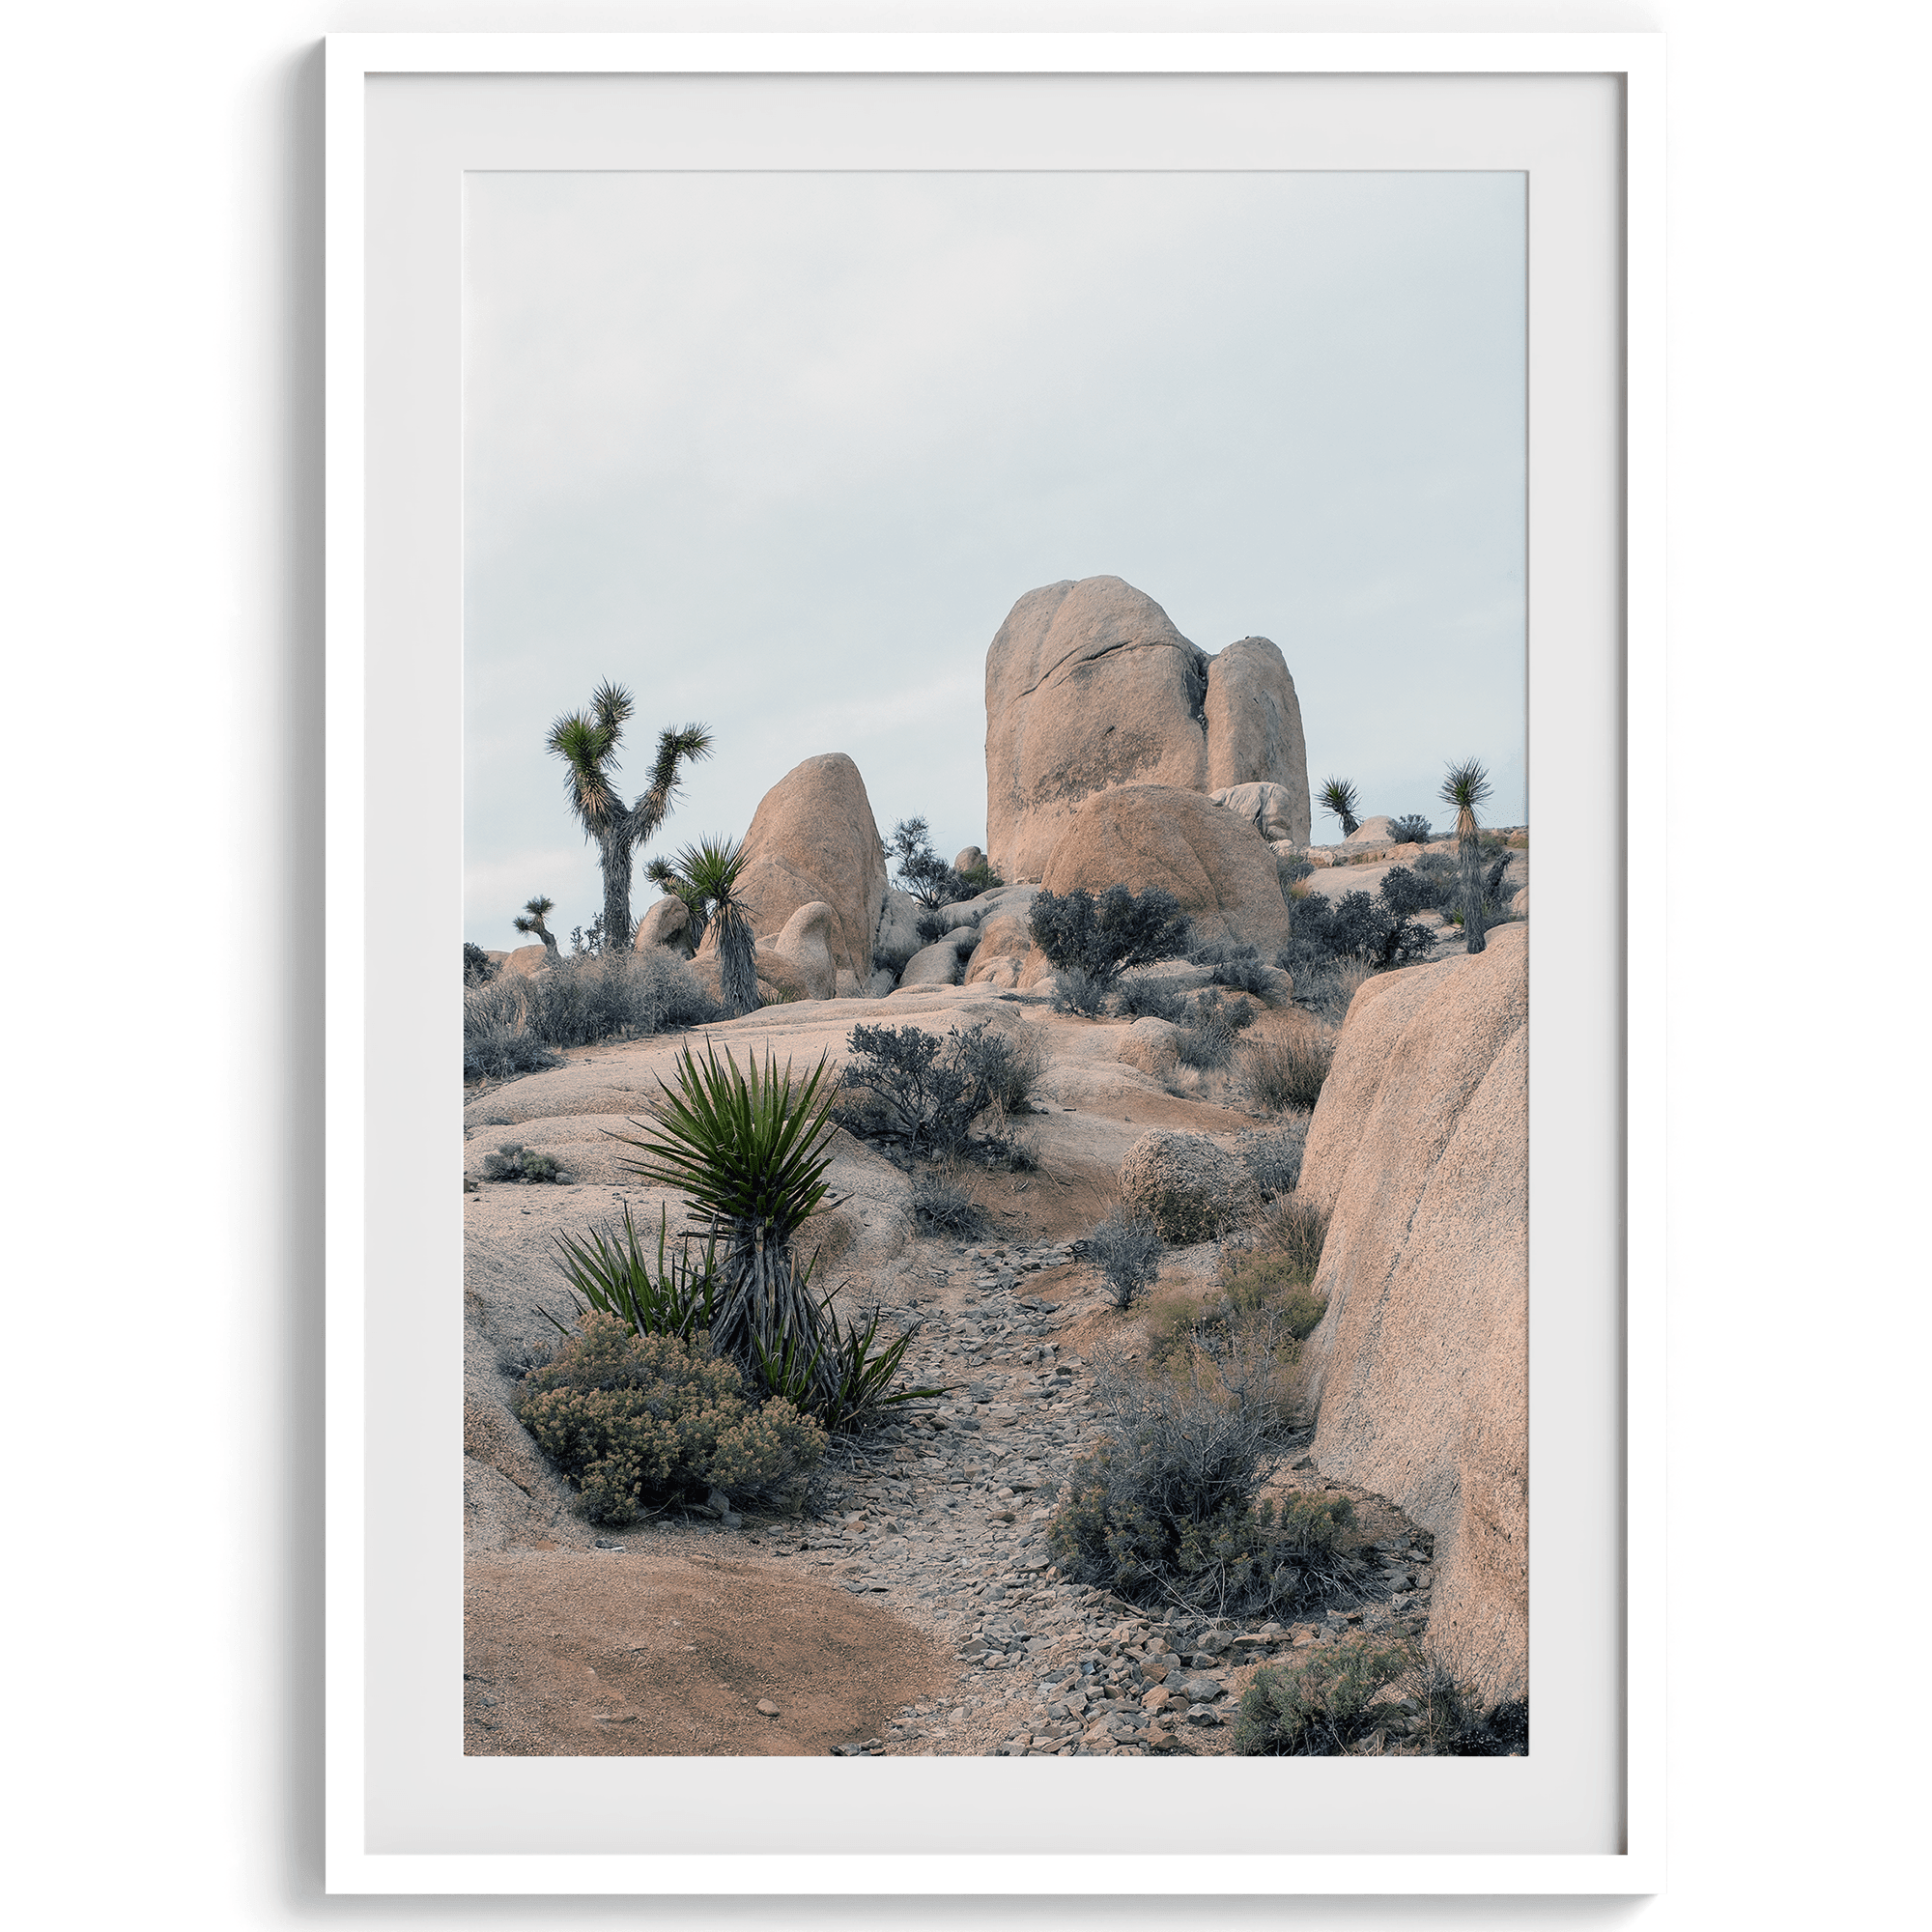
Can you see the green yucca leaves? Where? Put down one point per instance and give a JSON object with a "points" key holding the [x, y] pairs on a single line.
{"points": [[678, 1298], [839, 1380], [748, 1148]]}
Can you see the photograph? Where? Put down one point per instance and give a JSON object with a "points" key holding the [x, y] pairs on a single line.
{"points": [[996, 963]]}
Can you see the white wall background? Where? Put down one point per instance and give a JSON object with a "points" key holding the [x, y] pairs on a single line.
{"points": [[159, 343]]}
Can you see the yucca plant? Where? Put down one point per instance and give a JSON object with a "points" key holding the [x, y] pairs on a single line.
{"points": [[617, 1277], [1339, 799], [711, 870], [587, 742], [840, 1381], [1468, 786], [749, 1149]]}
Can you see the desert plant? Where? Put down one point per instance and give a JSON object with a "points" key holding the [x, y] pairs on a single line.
{"points": [[1367, 924], [664, 875], [1285, 1245], [637, 1420], [922, 872], [478, 968], [587, 742], [1339, 798], [530, 923], [930, 1090], [1141, 998], [592, 997], [1320, 1705], [514, 1161], [845, 1378], [587, 942], [749, 1150], [1164, 1511], [1290, 868], [1102, 937], [1127, 1250], [1206, 1038], [712, 870], [1467, 786], [1282, 1070], [1274, 1158], [1075, 990], [942, 1206], [979, 878], [614, 1275], [1411, 828], [498, 1042]]}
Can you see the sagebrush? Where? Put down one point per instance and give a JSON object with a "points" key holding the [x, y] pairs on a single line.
{"points": [[1102, 937], [1284, 1071], [929, 1090], [1127, 1249], [639, 1421]]}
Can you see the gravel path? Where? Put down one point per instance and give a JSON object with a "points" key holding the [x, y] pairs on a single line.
{"points": [[943, 1519]]}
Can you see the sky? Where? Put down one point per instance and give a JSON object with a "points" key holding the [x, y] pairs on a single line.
{"points": [[780, 451]]}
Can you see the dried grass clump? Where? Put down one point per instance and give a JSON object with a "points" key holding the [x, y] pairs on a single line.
{"points": [[1284, 1071]]}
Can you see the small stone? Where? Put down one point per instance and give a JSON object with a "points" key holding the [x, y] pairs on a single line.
{"points": [[766, 1705], [1203, 1714], [1158, 1699]]}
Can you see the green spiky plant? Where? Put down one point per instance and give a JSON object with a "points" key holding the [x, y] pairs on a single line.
{"points": [[615, 1276], [587, 742], [710, 870], [1467, 786], [1339, 799], [530, 921], [749, 1149], [662, 875]]}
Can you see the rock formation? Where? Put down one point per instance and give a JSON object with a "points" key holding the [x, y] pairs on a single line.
{"points": [[1277, 811], [1212, 861], [668, 922], [1189, 1188], [813, 837], [1089, 685], [1419, 1150]]}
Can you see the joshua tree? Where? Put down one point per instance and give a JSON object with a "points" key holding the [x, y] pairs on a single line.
{"points": [[1339, 799], [587, 741], [531, 921], [1467, 786], [710, 870]]}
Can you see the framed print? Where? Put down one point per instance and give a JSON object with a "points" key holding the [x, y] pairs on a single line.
{"points": [[971, 629]]}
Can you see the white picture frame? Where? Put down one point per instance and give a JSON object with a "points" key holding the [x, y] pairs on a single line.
{"points": [[390, 603]]}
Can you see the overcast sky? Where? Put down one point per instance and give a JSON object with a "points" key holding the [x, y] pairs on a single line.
{"points": [[780, 451]]}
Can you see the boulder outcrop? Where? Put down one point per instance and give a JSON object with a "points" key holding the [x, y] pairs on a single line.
{"points": [[665, 924], [806, 943], [812, 837], [1254, 728], [1274, 811], [1089, 685], [1420, 1150], [525, 960], [1212, 861]]}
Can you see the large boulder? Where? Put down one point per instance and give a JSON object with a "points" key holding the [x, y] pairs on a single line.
{"points": [[1005, 938], [1088, 685], [666, 924], [526, 960], [1419, 1152], [812, 837], [1371, 831], [896, 938], [1254, 728], [1213, 862], [1277, 811], [1189, 1188], [937, 964], [805, 946]]}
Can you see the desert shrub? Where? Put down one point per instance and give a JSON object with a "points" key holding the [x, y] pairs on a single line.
{"points": [[931, 927], [1286, 1242], [1284, 1071], [498, 1042], [1369, 925], [1411, 828], [930, 1091], [591, 997], [1164, 1510], [1292, 868], [1078, 991], [922, 872], [1240, 967], [1141, 998], [1104, 936], [942, 1206], [1274, 1159], [1320, 1707], [1127, 1250], [636, 1421], [514, 1161], [1207, 1037], [1324, 982], [979, 878], [478, 968]]}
